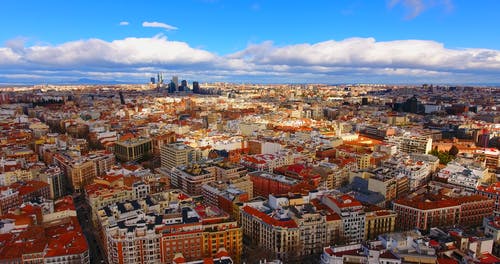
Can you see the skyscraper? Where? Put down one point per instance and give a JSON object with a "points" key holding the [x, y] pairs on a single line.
{"points": [[159, 81], [175, 79], [196, 87], [183, 86], [171, 87]]}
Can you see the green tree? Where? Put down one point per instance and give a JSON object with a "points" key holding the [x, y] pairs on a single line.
{"points": [[443, 156]]}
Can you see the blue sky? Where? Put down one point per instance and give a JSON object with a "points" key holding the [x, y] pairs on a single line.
{"points": [[393, 41]]}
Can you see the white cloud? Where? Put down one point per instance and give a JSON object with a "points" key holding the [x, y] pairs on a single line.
{"points": [[124, 23], [366, 52], [9, 57], [16, 44], [99, 53], [415, 7], [159, 25], [348, 60]]}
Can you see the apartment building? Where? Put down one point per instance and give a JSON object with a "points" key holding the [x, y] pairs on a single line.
{"points": [[190, 178], [177, 154], [157, 229], [227, 171], [363, 156], [104, 161], [79, 170], [428, 210], [32, 235], [371, 252], [416, 171], [267, 162], [290, 227], [407, 143], [378, 221], [465, 174], [491, 158], [265, 183], [491, 191], [55, 178], [133, 149], [224, 196], [351, 213], [9, 198], [9, 177]]}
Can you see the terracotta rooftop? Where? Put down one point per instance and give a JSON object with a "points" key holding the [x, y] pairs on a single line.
{"points": [[26, 215], [95, 187], [29, 186], [470, 198], [330, 214], [428, 202], [488, 258], [130, 180], [60, 238], [344, 201], [64, 203], [68, 243], [112, 178], [268, 219], [388, 255], [493, 188]]}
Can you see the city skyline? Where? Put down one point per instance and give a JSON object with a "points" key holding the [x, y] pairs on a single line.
{"points": [[397, 41]]}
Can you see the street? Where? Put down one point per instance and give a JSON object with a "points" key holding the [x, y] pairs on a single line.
{"points": [[83, 212]]}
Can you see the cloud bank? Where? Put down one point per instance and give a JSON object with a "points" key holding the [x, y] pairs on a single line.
{"points": [[348, 60], [124, 23]]}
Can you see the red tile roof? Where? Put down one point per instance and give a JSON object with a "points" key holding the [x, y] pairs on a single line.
{"points": [[112, 178], [29, 186], [69, 243], [58, 238], [94, 187], [268, 219], [64, 203], [329, 251], [470, 198], [130, 180], [345, 201], [127, 136], [330, 214], [26, 215], [429, 201], [488, 258], [493, 188], [388, 255]]}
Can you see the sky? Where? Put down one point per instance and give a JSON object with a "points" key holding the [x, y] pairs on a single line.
{"points": [[260, 41]]}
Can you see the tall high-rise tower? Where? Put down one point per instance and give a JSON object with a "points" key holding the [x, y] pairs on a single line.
{"points": [[183, 86], [196, 87], [159, 81], [171, 87], [175, 79]]}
